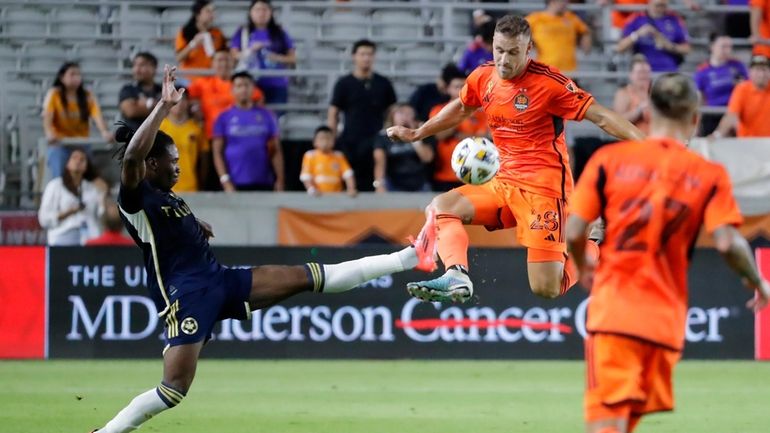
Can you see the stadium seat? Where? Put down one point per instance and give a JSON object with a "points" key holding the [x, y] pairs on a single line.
{"points": [[99, 57], [172, 19], [298, 126], [229, 20], [25, 21], [349, 25], [45, 57], [76, 22], [142, 23], [394, 23]]}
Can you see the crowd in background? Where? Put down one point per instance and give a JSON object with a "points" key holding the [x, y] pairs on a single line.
{"points": [[228, 140]]}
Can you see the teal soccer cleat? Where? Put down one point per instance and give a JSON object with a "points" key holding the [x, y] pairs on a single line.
{"points": [[453, 286]]}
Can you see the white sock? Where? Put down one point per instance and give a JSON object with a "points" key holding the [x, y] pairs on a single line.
{"points": [[346, 275], [142, 408]]}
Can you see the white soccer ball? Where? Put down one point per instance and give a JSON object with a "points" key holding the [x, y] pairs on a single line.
{"points": [[475, 160]]}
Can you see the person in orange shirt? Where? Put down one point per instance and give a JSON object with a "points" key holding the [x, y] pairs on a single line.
{"points": [[749, 107], [215, 92], [654, 195], [759, 21], [444, 178], [633, 100], [198, 40], [526, 104], [68, 109], [556, 33], [324, 169]]}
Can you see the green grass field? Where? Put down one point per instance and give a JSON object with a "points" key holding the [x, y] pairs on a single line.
{"points": [[368, 397]]}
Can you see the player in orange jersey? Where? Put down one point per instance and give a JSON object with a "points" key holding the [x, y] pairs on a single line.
{"points": [[654, 196], [526, 104]]}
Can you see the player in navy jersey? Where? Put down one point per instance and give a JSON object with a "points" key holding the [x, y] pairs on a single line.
{"points": [[190, 288]]}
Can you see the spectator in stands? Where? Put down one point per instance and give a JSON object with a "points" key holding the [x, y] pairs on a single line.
{"points": [[737, 24], [215, 92], [659, 34], [556, 32], [479, 51], [444, 178], [263, 44], [71, 203], [620, 18], [759, 20], [324, 170], [246, 149], [429, 95], [191, 143], [716, 79], [67, 110], [749, 108], [364, 97], [401, 166], [198, 39], [137, 99], [113, 229], [633, 100]]}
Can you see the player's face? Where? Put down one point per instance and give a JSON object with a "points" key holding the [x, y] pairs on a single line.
{"points": [[222, 64], [260, 14], [206, 16], [324, 141], [72, 78], [242, 89], [363, 58], [454, 87], [77, 163], [759, 75], [510, 54], [143, 70], [722, 48], [166, 168]]}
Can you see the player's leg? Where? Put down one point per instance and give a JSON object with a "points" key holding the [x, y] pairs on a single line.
{"points": [[179, 364], [273, 283], [477, 205]]}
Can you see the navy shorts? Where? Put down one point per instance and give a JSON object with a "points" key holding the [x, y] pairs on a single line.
{"points": [[193, 314]]}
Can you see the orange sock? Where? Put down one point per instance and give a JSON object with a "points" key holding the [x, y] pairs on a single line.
{"points": [[452, 240], [609, 430], [570, 273]]}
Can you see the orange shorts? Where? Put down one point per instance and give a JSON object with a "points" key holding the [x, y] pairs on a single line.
{"points": [[538, 219], [627, 376]]}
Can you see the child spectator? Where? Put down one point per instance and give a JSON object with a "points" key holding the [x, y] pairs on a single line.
{"points": [[198, 40], [67, 109], [193, 147], [324, 169]]}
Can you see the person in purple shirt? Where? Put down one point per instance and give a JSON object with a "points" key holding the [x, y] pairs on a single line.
{"points": [[263, 44], [480, 50], [716, 79], [247, 153], [659, 34]]}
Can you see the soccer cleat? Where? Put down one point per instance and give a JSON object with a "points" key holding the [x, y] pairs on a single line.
{"points": [[453, 286], [425, 244]]}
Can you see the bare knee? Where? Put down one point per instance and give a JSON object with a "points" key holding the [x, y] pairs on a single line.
{"points": [[453, 203], [545, 284]]}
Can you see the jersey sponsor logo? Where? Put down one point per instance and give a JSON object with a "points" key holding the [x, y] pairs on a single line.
{"points": [[189, 326], [521, 102]]}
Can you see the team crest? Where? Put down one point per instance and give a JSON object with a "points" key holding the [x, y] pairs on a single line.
{"points": [[521, 102], [189, 326]]}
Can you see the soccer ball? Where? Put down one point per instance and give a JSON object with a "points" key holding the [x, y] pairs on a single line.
{"points": [[475, 160]]}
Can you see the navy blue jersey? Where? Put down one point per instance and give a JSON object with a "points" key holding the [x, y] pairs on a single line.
{"points": [[177, 255]]}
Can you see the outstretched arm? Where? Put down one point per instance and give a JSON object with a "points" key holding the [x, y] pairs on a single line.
{"points": [[613, 123], [449, 117], [737, 253], [133, 168]]}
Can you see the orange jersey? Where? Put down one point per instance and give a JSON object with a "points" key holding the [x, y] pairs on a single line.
{"points": [[750, 104], [654, 195], [216, 96], [325, 170], [526, 116], [620, 18], [764, 25], [198, 58], [474, 126]]}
